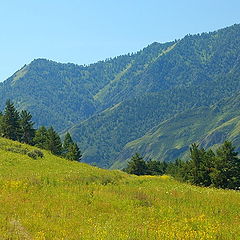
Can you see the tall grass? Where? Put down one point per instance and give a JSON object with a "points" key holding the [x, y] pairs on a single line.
{"points": [[52, 198]]}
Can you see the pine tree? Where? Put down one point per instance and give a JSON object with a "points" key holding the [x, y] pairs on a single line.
{"points": [[196, 157], [1, 119], [200, 165], [40, 139], [53, 142], [67, 142], [73, 153], [70, 149], [226, 173], [156, 168], [10, 122], [26, 127], [137, 165]]}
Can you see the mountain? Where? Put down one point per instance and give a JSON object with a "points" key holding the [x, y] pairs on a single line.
{"points": [[196, 71], [207, 126], [58, 94], [61, 95], [111, 103], [53, 198]]}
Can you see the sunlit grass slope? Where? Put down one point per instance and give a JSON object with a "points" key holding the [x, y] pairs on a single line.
{"points": [[52, 198]]}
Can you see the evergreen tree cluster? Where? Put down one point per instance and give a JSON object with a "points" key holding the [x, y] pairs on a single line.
{"points": [[15, 125], [18, 126], [206, 168], [138, 166]]}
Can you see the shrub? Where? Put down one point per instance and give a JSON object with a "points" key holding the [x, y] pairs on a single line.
{"points": [[38, 153], [32, 155], [35, 154]]}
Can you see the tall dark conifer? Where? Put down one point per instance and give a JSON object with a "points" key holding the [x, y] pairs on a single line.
{"points": [[136, 165], [70, 149], [1, 118], [40, 139], [53, 143], [67, 142], [73, 153], [226, 173], [26, 127], [10, 127]]}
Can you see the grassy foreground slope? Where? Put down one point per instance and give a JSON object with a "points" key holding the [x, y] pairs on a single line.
{"points": [[52, 198]]}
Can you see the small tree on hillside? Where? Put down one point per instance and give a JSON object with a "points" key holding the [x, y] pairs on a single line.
{"points": [[67, 142], [200, 165], [27, 131], [10, 122], [53, 142], [226, 173], [73, 153], [156, 167], [1, 118], [136, 165], [40, 139], [70, 149]]}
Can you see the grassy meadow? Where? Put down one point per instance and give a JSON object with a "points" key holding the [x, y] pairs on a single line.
{"points": [[52, 198]]}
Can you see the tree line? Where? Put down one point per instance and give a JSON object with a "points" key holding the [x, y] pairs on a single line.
{"points": [[18, 126], [206, 168]]}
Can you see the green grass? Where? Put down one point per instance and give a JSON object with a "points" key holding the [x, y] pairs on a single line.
{"points": [[52, 198]]}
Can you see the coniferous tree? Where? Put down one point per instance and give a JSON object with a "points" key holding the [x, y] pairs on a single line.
{"points": [[53, 142], [198, 169], [207, 166], [195, 155], [226, 173], [73, 153], [136, 165], [26, 127], [156, 168], [10, 127], [1, 116], [67, 142], [70, 149], [178, 170], [40, 139]]}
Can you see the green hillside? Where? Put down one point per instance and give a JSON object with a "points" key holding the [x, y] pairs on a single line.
{"points": [[111, 103], [208, 126], [196, 71], [61, 95], [52, 198], [58, 94]]}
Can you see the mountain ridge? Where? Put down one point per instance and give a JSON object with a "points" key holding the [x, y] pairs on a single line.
{"points": [[110, 103]]}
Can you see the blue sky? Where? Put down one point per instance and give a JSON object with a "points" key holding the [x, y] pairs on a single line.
{"points": [[86, 31]]}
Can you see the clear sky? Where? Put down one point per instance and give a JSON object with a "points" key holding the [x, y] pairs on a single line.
{"points": [[85, 31]]}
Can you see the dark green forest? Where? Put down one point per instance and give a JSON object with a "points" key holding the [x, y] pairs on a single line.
{"points": [[208, 126], [110, 107], [206, 168], [18, 126]]}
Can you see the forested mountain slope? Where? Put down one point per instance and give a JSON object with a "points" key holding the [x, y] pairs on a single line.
{"points": [[63, 94], [207, 126], [196, 71], [116, 101], [59, 94]]}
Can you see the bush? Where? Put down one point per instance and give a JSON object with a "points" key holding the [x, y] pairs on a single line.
{"points": [[35, 154], [32, 155], [38, 153]]}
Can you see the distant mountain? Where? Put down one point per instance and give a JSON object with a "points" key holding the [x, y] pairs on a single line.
{"points": [[207, 126], [59, 94], [196, 71], [111, 103]]}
